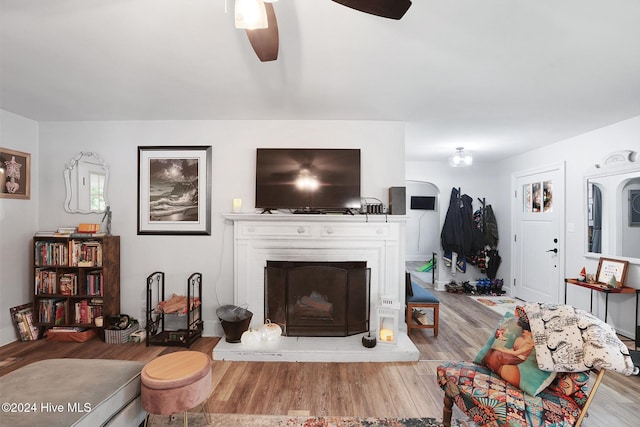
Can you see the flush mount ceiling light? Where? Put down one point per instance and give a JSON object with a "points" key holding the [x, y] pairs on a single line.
{"points": [[460, 158]]}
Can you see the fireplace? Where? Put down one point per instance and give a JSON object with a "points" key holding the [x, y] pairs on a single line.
{"points": [[377, 240], [318, 299]]}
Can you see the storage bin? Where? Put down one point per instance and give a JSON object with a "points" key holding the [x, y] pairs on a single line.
{"points": [[82, 336], [120, 336]]}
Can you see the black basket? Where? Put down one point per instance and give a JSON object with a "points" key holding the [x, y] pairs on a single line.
{"points": [[234, 320]]}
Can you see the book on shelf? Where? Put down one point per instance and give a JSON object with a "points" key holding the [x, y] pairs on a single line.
{"points": [[44, 233], [87, 310], [66, 230], [85, 253], [99, 234], [60, 316], [82, 315], [48, 310], [45, 281], [69, 284], [94, 283], [48, 253], [56, 329], [88, 228]]}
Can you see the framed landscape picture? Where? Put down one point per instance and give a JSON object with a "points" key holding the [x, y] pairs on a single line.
{"points": [[174, 190], [15, 174]]}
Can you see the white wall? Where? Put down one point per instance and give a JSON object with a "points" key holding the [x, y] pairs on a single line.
{"points": [[234, 149], [18, 221], [579, 153], [423, 226]]}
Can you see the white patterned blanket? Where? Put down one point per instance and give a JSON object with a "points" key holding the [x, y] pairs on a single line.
{"points": [[568, 339]]}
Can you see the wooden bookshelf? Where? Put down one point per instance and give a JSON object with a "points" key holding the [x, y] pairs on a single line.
{"points": [[74, 280]]}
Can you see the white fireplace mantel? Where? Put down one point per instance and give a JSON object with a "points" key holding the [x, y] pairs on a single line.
{"points": [[377, 239]]}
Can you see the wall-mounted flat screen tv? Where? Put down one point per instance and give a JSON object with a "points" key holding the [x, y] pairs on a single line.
{"points": [[427, 203], [307, 178]]}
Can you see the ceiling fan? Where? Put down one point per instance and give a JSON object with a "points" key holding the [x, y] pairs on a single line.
{"points": [[264, 36]]}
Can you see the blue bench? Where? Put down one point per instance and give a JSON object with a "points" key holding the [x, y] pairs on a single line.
{"points": [[419, 297]]}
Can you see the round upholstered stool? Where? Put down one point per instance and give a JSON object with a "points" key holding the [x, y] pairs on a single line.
{"points": [[176, 382]]}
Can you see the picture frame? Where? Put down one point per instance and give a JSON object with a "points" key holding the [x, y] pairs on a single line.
{"points": [[15, 174], [23, 321], [608, 267], [174, 190]]}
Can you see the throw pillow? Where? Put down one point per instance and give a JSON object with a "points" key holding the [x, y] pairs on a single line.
{"points": [[511, 354]]}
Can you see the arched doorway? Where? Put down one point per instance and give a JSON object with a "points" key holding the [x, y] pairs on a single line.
{"points": [[422, 228]]}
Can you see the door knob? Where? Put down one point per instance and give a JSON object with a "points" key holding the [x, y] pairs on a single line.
{"points": [[554, 250]]}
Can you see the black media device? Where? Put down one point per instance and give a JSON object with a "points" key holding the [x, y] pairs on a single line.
{"points": [[397, 200], [427, 203], [308, 180]]}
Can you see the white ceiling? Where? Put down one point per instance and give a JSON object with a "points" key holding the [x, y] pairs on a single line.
{"points": [[498, 77]]}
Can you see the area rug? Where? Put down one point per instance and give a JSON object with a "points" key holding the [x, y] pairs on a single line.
{"points": [[237, 420], [499, 304]]}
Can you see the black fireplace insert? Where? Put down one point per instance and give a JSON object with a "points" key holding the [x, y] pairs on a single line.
{"points": [[325, 299]]}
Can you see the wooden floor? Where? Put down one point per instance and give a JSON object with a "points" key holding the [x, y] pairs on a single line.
{"points": [[358, 389]]}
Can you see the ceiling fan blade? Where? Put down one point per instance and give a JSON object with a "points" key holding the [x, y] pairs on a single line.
{"points": [[265, 41], [393, 9]]}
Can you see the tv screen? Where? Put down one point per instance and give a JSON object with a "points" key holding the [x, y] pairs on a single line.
{"points": [[423, 202], [307, 179]]}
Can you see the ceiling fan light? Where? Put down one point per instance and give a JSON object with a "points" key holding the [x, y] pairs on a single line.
{"points": [[460, 158], [250, 15]]}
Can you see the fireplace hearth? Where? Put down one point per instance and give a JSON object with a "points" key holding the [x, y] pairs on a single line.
{"points": [[318, 299]]}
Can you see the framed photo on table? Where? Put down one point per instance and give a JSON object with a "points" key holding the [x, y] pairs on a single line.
{"points": [[608, 268], [15, 174], [174, 190]]}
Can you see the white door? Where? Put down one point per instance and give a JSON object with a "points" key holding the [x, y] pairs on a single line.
{"points": [[538, 244]]}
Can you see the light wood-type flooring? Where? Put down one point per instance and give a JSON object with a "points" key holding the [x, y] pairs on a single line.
{"points": [[406, 389]]}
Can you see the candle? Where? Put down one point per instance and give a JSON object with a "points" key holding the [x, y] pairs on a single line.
{"points": [[237, 205], [386, 335]]}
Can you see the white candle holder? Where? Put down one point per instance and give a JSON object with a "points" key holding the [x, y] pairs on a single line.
{"points": [[236, 206], [388, 312]]}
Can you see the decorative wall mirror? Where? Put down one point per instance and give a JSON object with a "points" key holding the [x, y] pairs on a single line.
{"points": [[86, 179], [613, 207]]}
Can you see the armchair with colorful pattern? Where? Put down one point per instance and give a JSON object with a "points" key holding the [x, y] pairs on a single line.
{"points": [[525, 376], [491, 401]]}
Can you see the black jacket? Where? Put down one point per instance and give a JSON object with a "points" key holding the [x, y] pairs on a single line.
{"points": [[472, 238], [451, 235], [490, 228]]}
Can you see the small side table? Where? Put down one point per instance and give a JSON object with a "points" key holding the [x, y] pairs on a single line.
{"points": [[625, 290]]}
